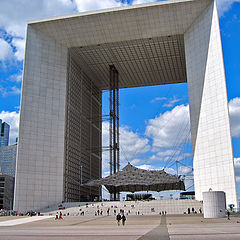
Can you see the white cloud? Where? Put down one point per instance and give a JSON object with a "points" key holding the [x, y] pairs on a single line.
{"points": [[171, 102], [157, 99], [170, 128], [11, 118], [185, 170], [16, 77], [152, 167], [146, 167], [87, 5], [224, 6], [19, 44], [131, 145], [14, 91], [234, 111], [5, 50], [164, 155], [135, 161], [15, 14], [3, 91], [9, 91]]}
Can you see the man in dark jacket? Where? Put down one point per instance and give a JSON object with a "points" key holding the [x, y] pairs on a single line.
{"points": [[118, 218], [123, 220]]}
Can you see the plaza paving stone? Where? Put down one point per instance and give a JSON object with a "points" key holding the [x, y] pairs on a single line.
{"points": [[173, 227]]}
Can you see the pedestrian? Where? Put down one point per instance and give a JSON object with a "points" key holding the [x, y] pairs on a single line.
{"points": [[60, 215], [188, 210], [193, 210], [108, 211], [123, 220], [118, 218], [56, 217], [228, 215], [200, 210]]}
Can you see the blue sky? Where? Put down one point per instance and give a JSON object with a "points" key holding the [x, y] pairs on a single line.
{"points": [[164, 107]]}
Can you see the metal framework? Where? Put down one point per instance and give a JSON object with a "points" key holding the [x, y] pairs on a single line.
{"points": [[114, 123]]}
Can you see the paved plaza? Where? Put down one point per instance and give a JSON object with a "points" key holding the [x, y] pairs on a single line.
{"points": [[174, 227]]}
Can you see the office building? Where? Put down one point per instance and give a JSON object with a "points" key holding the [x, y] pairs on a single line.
{"points": [[4, 136], [66, 68], [8, 159]]}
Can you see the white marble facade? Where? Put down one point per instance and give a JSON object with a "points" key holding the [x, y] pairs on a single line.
{"points": [[40, 160], [210, 127], [39, 170]]}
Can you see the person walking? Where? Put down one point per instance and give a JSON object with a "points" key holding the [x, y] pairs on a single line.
{"points": [[60, 215], [228, 215], [56, 217], [123, 219], [118, 218]]}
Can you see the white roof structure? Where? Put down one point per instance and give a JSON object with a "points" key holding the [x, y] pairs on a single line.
{"points": [[144, 42], [133, 179]]}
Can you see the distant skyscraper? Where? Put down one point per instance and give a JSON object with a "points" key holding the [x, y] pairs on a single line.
{"points": [[7, 153], [8, 159], [4, 137]]}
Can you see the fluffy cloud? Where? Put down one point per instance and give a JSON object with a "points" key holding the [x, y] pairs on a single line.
{"points": [[224, 6], [5, 50], [131, 145], [185, 170], [16, 77], [87, 5], [11, 118], [171, 128], [19, 44], [15, 14], [234, 111], [151, 167]]}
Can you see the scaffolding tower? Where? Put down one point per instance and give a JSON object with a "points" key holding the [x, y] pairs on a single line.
{"points": [[114, 124]]}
